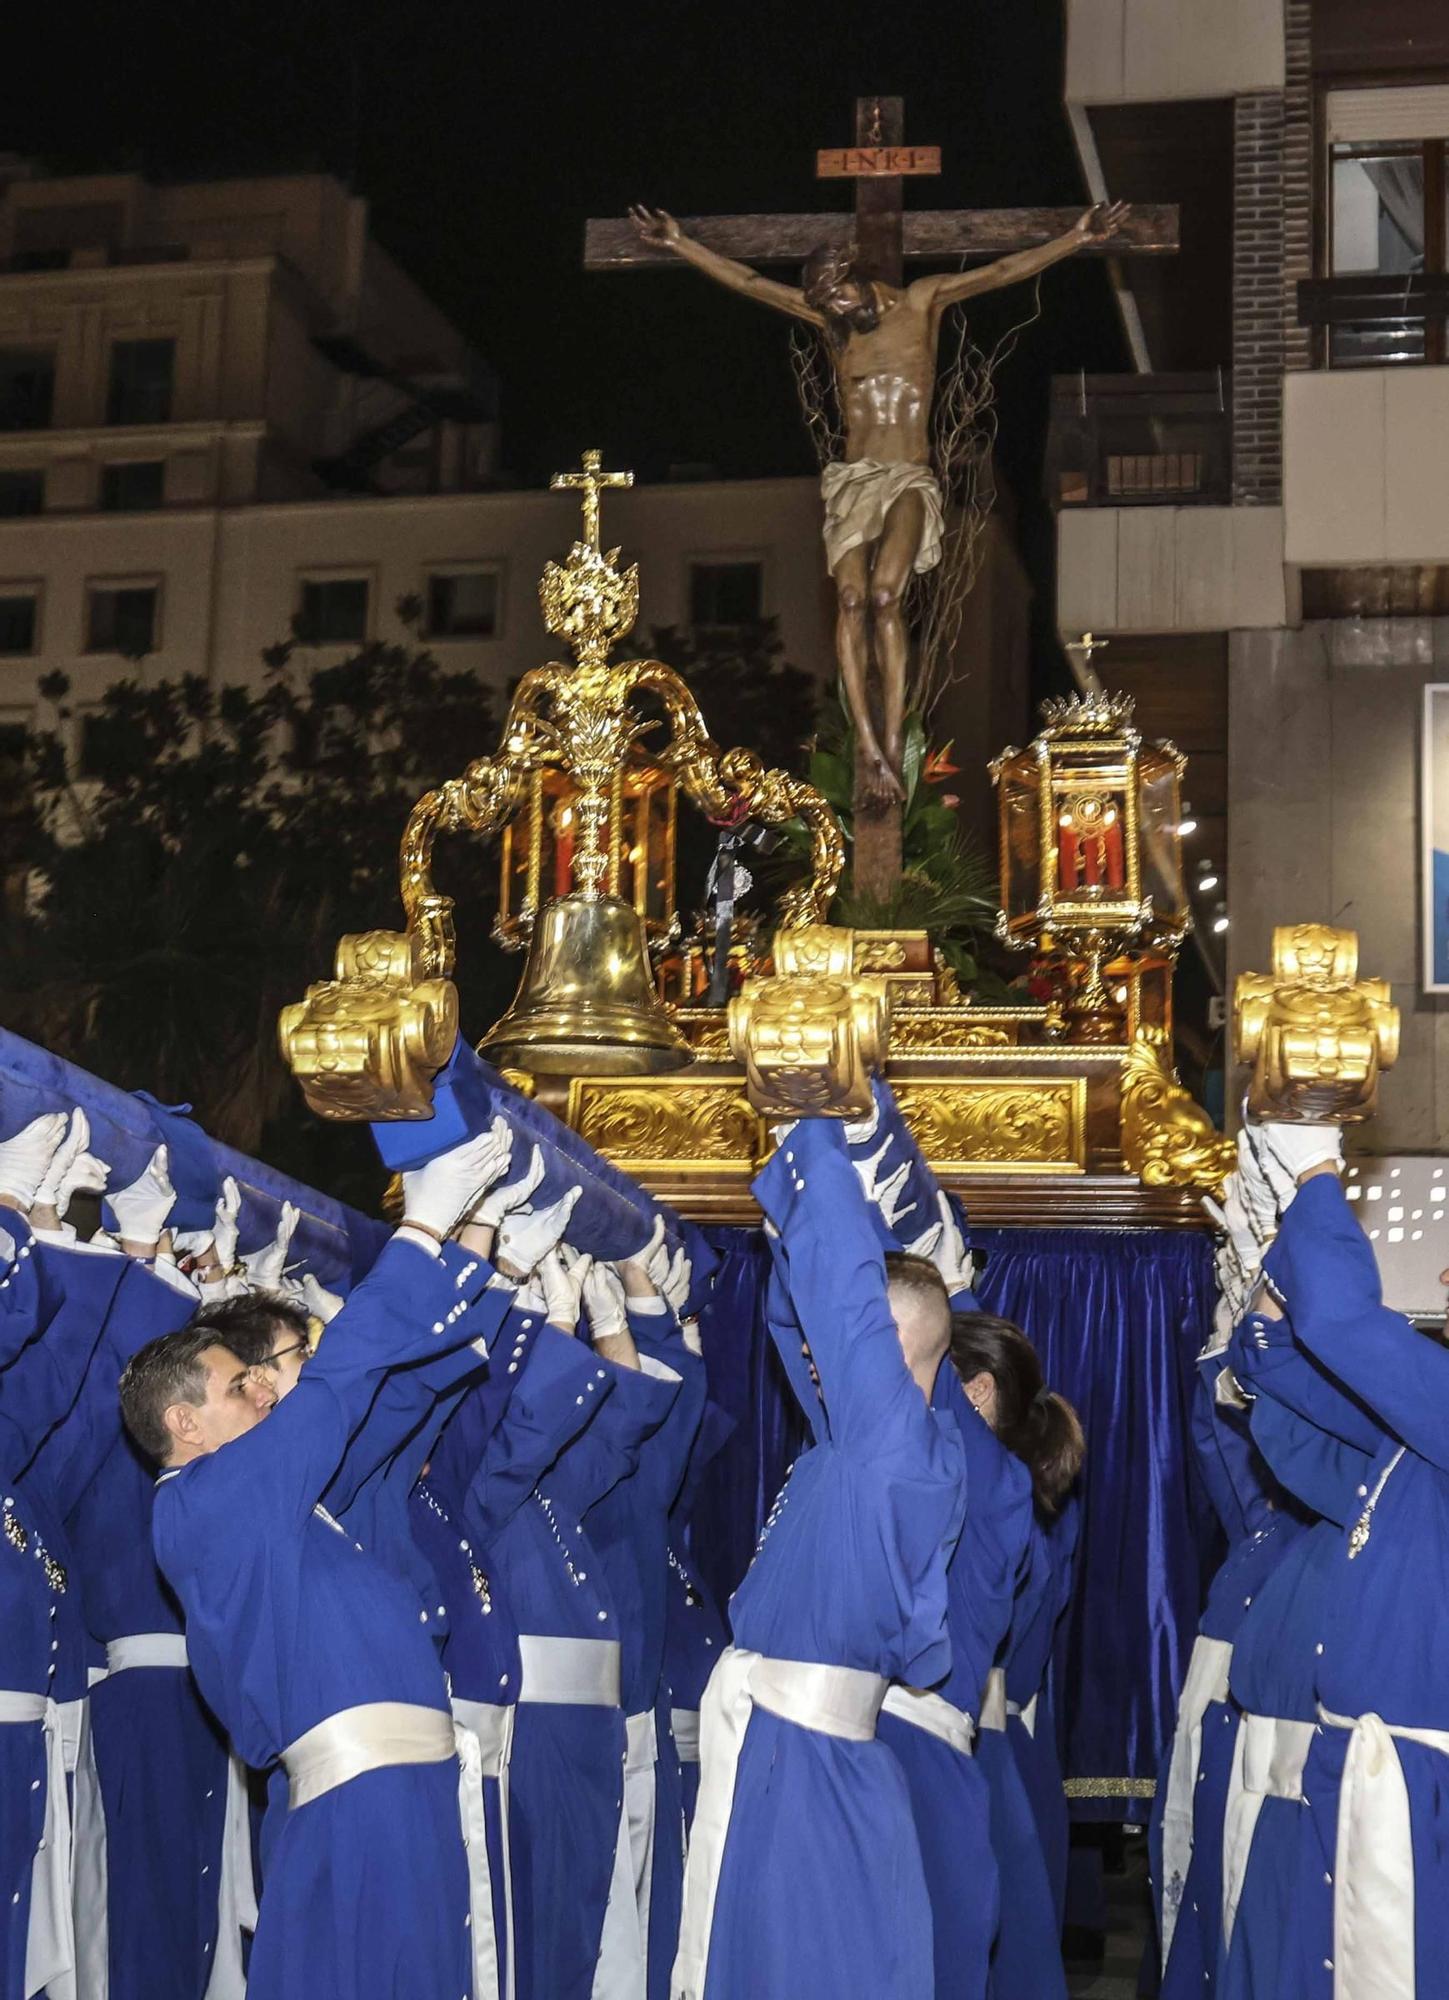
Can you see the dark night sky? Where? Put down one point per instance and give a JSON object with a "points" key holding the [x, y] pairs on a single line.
{"points": [[483, 135]]}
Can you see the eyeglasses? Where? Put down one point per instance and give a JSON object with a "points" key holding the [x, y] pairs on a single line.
{"points": [[281, 1353]]}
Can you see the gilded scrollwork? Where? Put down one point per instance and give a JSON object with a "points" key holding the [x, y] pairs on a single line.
{"points": [[679, 1124], [1168, 1140]]}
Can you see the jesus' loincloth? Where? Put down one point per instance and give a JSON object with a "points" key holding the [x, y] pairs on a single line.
{"points": [[858, 495]]}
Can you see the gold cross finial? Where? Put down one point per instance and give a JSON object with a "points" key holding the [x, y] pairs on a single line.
{"points": [[1081, 651], [591, 482]]}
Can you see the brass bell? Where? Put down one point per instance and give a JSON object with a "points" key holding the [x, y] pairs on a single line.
{"points": [[585, 1005]]}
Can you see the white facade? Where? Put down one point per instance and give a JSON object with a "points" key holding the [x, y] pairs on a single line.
{"points": [[229, 581]]}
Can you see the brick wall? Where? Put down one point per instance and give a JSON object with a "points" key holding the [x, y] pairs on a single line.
{"points": [[1272, 250], [1258, 280]]}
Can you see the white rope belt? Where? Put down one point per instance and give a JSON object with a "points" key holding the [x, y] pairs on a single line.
{"points": [[1268, 1758], [484, 1732], [50, 1937], [583, 1673], [1373, 1883], [370, 1737], [684, 1727], [835, 1701], [1206, 1681], [933, 1713], [146, 1649], [993, 1700]]}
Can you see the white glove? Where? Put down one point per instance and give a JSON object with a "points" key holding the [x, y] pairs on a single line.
{"points": [[858, 1130], [142, 1208], [1256, 1194], [439, 1194], [676, 1285], [321, 1303], [886, 1194], [26, 1159], [1287, 1151], [527, 1235], [502, 1199], [561, 1275], [951, 1256], [267, 1267], [604, 1302], [72, 1169]]}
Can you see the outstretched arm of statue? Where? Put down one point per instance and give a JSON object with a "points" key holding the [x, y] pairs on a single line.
{"points": [[1095, 226], [657, 226]]}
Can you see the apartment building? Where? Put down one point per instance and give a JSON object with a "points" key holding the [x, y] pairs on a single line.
{"points": [[1258, 517]]}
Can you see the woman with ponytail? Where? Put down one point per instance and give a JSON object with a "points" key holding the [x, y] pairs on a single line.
{"points": [[1002, 1379]]}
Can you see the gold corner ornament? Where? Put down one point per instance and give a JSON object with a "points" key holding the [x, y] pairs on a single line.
{"points": [[1318, 1036], [368, 1043], [1168, 1140], [809, 1044]]}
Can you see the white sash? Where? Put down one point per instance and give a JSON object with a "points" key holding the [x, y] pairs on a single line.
{"points": [[993, 1700], [1268, 1758], [583, 1673], [371, 1737], [50, 1936], [236, 1894], [1373, 1882], [146, 1649], [1205, 1683], [933, 1713], [837, 1701]]}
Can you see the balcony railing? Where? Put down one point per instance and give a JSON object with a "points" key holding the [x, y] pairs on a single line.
{"points": [[1378, 318], [1140, 440]]}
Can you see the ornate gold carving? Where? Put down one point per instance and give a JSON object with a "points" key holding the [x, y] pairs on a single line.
{"points": [[920, 1031], [681, 1126], [1025, 1124], [809, 1045], [1318, 1037], [822, 951], [1167, 1139], [879, 954], [367, 1043]]}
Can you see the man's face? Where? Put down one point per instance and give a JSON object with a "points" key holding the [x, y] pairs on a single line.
{"points": [[235, 1403], [280, 1369]]}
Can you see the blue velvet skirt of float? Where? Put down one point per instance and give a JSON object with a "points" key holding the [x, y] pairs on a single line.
{"points": [[952, 1809], [1028, 1961]]}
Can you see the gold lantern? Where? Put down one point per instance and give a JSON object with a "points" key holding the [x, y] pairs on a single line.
{"points": [[1091, 859]]}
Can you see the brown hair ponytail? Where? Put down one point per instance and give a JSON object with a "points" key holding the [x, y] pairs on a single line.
{"points": [[1033, 1422]]}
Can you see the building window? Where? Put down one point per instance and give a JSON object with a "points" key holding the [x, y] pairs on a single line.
{"points": [[19, 619], [1387, 235], [121, 618], [463, 604], [140, 385], [133, 487], [27, 388], [726, 595], [333, 611], [22, 491]]}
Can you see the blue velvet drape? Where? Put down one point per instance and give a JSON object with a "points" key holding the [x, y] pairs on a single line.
{"points": [[1117, 1317]]}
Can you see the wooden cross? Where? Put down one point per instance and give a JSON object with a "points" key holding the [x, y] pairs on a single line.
{"points": [[591, 482], [885, 235], [884, 238]]}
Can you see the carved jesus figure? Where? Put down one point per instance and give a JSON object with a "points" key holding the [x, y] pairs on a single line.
{"points": [[884, 518]]}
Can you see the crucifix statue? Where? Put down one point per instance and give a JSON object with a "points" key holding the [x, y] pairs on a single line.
{"points": [[883, 504]]}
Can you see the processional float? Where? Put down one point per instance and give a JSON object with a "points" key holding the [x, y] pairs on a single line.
{"points": [[1067, 1110]]}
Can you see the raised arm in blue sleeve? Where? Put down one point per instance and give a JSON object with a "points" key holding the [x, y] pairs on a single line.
{"points": [[835, 1274]]}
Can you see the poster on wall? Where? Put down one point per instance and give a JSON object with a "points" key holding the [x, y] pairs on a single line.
{"points": [[1434, 838]]}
